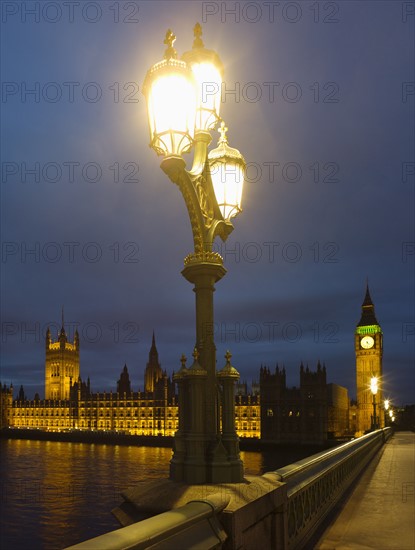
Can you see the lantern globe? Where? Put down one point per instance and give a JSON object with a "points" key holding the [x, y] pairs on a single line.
{"points": [[208, 72], [227, 170], [171, 94]]}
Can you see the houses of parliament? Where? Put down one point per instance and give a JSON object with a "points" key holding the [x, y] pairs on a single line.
{"points": [[310, 414]]}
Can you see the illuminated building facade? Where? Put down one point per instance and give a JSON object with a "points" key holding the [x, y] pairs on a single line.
{"points": [[61, 366], [6, 404], [269, 411], [369, 351], [248, 415]]}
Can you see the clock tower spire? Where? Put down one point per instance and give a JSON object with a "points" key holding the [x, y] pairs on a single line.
{"points": [[368, 311], [369, 352]]}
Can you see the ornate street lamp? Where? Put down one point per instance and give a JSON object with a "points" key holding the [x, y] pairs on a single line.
{"points": [[208, 72], [227, 165], [374, 390], [183, 102], [170, 90]]}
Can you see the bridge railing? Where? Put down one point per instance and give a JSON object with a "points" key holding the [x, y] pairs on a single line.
{"points": [[315, 484], [193, 525], [308, 489]]}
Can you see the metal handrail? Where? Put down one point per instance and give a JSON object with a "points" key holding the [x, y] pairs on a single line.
{"points": [[296, 468]]}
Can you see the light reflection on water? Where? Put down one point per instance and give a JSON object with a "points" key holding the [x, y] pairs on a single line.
{"points": [[54, 494]]}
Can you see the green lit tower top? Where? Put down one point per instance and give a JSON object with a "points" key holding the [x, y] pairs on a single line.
{"points": [[368, 323]]}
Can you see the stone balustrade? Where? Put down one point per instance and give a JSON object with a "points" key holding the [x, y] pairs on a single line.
{"points": [[281, 509]]}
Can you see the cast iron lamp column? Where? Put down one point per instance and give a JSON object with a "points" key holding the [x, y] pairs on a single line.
{"points": [[183, 99], [386, 405], [374, 390]]}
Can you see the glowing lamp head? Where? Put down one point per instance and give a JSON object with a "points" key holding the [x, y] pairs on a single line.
{"points": [[386, 404], [170, 91], [208, 71], [374, 385], [227, 169]]}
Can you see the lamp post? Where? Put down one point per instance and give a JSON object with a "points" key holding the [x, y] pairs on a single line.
{"points": [[183, 101], [374, 390], [386, 405]]}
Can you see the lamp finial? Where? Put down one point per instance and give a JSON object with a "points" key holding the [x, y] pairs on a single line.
{"points": [[222, 130], [197, 31], [170, 52]]}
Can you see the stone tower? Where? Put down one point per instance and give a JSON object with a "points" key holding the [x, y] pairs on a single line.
{"points": [[153, 371], [369, 351], [124, 384], [62, 365]]}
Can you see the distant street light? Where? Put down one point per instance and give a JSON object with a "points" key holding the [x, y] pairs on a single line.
{"points": [[183, 102]]}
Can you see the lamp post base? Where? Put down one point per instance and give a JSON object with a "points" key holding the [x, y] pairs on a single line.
{"points": [[215, 468], [201, 453]]}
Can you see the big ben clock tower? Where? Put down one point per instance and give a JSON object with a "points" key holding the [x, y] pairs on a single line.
{"points": [[369, 350]]}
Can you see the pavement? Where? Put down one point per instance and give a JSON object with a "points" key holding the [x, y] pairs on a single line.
{"points": [[380, 512]]}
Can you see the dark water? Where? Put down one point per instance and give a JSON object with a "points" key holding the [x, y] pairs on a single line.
{"points": [[54, 494]]}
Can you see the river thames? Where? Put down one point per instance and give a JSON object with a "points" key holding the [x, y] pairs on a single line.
{"points": [[55, 494]]}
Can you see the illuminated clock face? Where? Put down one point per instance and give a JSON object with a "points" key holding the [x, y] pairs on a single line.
{"points": [[367, 342]]}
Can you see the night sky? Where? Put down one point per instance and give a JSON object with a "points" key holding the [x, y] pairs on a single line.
{"points": [[319, 98]]}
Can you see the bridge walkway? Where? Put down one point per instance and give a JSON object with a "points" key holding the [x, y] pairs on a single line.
{"points": [[380, 512]]}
